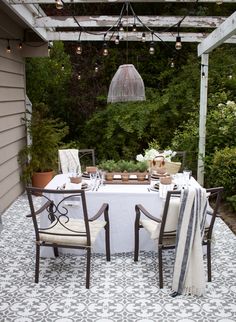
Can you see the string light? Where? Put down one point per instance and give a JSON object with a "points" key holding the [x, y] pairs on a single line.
{"points": [[143, 37], [79, 76], [62, 67], [134, 27], [79, 48], [8, 49], [59, 4], [105, 49], [96, 68], [121, 28], [49, 49], [117, 40], [219, 2], [152, 49], [178, 44], [20, 45], [172, 63]]}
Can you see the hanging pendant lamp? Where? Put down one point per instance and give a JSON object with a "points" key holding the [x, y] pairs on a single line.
{"points": [[126, 85]]}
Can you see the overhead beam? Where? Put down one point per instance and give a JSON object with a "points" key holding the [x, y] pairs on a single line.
{"points": [[26, 13], [114, 1], [127, 36], [117, 1], [219, 35], [108, 21]]}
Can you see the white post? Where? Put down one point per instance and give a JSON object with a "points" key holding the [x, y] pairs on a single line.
{"points": [[202, 118]]}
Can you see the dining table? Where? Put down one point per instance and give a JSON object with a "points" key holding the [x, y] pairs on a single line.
{"points": [[121, 199]]}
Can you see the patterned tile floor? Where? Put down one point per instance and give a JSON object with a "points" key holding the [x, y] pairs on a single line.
{"points": [[120, 290]]}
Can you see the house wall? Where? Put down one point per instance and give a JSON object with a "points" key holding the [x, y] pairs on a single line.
{"points": [[12, 131], [13, 100]]}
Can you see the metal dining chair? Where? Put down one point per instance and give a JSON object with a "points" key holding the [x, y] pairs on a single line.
{"points": [[64, 231]]}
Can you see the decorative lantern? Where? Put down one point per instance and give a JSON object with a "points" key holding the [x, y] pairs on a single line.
{"points": [[126, 85]]}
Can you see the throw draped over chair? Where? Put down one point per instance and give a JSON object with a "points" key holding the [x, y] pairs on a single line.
{"points": [[64, 231], [69, 161], [163, 230]]}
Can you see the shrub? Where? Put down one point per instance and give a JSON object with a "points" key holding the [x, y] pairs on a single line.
{"points": [[223, 171]]}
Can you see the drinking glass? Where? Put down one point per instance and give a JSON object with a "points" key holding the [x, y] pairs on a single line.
{"points": [[187, 176], [93, 179]]}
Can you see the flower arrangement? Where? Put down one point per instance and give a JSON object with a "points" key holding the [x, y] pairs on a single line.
{"points": [[151, 154]]}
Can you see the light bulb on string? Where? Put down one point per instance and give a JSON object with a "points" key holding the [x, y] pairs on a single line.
{"points": [[178, 44], [121, 28], [219, 2], [230, 76], [96, 69], [62, 67], [8, 49], [117, 40], [105, 49], [59, 4], [49, 49], [20, 45], [79, 48], [79, 76], [151, 48], [143, 37], [172, 63]]}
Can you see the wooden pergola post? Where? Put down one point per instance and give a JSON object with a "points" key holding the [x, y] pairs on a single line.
{"points": [[215, 39], [202, 117]]}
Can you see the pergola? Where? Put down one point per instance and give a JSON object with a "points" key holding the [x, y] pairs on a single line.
{"points": [[99, 28]]}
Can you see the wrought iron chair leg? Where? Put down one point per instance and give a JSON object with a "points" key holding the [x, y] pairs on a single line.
{"points": [[160, 267], [37, 263], [209, 260], [88, 267], [136, 242], [55, 249], [107, 236]]}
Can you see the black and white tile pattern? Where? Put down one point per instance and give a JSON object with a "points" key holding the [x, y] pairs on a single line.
{"points": [[120, 290]]}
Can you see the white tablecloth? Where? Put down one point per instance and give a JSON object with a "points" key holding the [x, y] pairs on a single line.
{"points": [[122, 199]]}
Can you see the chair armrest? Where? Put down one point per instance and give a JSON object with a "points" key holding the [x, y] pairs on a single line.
{"points": [[104, 209], [40, 210], [139, 208]]}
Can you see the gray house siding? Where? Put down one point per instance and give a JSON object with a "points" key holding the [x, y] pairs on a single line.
{"points": [[13, 98], [12, 131]]}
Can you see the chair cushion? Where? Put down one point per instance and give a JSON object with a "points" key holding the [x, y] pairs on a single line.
{"points": [[76, 225], [171, 220]]}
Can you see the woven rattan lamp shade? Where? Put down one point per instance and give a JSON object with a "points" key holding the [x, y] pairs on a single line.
{"points": [[126, 85]]}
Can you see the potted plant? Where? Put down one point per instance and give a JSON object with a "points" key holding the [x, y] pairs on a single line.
{"points": [[39, 159], [109, 166], [141, 167]]}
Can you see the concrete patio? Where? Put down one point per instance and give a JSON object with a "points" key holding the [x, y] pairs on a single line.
{"points": [[120, 290]]}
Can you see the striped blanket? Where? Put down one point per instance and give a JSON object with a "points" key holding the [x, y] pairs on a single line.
{"points": [[189, 276]]}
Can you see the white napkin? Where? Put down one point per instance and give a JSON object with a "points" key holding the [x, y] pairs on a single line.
{"points": [[72, 201]]}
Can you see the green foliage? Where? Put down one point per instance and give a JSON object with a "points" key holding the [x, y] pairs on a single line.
{"points": [[108, 165], [223, 170], [232, 202], [142, 166], [122, 166], [46, 135]]}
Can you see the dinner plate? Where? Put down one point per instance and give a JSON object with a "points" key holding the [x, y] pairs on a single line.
{"points": [[155, 187]]}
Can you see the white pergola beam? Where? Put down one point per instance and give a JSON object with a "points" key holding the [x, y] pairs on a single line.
{"points": [[108, 21], [117, 1], [219, 36], [27, 13], [126, 36]]}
